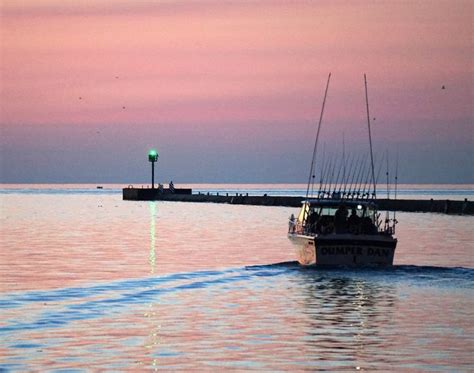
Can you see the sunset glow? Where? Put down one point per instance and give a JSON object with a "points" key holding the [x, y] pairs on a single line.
{"points": [[237, 82]]}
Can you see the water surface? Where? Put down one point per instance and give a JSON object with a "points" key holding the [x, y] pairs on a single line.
{"points": [[89, 281]]}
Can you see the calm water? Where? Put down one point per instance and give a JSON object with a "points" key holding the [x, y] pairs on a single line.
{"points": [[91, 282]]}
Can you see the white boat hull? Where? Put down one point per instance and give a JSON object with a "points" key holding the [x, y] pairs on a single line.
{"points": [[344, 249]]}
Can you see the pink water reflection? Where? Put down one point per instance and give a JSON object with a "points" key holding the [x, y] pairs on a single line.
{"points": [[53, 241], [89, 280]]}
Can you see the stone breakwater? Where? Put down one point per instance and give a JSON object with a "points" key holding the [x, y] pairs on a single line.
{"points": [[464, 207]]}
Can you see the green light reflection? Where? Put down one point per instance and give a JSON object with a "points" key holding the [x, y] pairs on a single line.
{"points": [[152, 343], [152, 257]]}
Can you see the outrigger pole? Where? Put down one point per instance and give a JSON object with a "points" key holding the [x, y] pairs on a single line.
{"points": [[370, 137], [343, 161], [317, 137], [396, 187]]}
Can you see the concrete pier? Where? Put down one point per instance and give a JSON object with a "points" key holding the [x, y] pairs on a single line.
{"points": [[152, 194], [185, 195]]}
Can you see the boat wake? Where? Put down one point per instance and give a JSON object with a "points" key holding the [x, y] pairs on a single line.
{"points": [[459, 277], [401, 267], [58, 307]]}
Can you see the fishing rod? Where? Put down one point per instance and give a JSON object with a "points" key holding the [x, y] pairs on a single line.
{"points": [[343, 159], [327, 185], [366, 189], [331, 180], [343, 181], [396, 189], [321, 170], [313, 180], [380, 168], [342, 166], [340, 182], [370, 136], [360, 177], [386, 173], [326, 176], [337, 178], [387, 213], [356, 181], [311, 193], [355, 176], [364, 179], [346, 181], [361, 190], [353, 171], [313, 159]]}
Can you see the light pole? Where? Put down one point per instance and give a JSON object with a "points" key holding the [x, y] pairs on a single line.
{"points": [[152, 157]]}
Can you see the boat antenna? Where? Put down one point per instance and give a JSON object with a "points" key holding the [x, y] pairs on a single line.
{"points": [[317, 137], [370, 136]]}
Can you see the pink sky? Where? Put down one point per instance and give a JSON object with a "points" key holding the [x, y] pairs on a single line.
{"points": [[242, 80]]}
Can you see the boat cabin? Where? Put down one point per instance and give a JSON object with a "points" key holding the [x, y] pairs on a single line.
{"points": [[326, 216]]}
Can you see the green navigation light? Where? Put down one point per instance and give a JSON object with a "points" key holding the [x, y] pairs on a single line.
{"points": [[152, 155]]}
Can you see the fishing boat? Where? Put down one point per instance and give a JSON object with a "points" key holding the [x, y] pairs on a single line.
{"points": [[339, 224]]}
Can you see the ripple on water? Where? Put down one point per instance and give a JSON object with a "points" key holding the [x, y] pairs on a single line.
{"points": [[247, 317], [130, 286]]}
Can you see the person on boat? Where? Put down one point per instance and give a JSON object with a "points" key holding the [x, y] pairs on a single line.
{"points": [[354, 222], [321, 225], [368, 226], [312, 221], [325, 225], [340, 219], [292, 224]]}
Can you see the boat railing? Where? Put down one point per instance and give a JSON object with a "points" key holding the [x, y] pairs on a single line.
{"points": [[297, 227], [388, 227], [362, 196]]}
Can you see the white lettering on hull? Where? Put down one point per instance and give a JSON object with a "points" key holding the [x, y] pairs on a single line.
{"points": [[354, 250], [354, 255]]}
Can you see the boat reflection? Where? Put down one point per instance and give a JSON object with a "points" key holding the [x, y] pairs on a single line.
{"points": [[351, 319]]}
